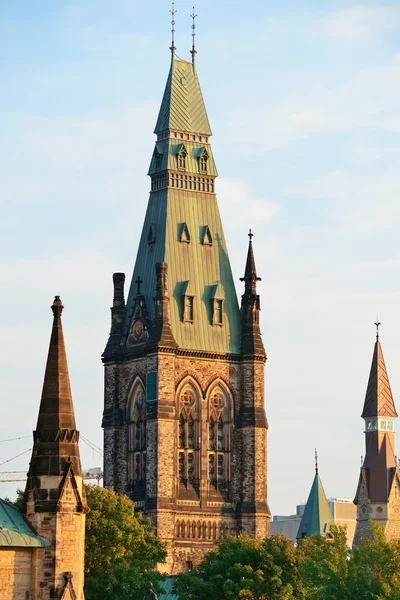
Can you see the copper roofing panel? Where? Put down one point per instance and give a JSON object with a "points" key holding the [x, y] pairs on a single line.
{"points": [[378, 399], [14, 531], [317, 515], [204, 266], [182, 106]]}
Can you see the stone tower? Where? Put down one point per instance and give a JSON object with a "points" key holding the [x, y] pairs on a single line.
{"points": [[184, 420], [378, 491], [55, 499]]}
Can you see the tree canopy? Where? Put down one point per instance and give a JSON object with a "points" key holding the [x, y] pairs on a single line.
{"points": [[317, 569], [121, 548]]}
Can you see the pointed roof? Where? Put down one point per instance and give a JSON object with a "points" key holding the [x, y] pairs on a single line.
{"points": [[250, 273], [378, 398], [182, 106], [55, 448], [317, 515], [15, 531], [56, 408]]}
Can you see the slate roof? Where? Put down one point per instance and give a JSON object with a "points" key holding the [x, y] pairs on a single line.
{"points": [[182, 107], [378, 398], [317, 515], [14, 531]]}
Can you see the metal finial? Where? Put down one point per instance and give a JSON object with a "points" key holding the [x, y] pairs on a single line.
{"points": [[250, 234], [316, 461], [362, 460], [138, 283], [377, 323], [193, 50], [173, 12]]}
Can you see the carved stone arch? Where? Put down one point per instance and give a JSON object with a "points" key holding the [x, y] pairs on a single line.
{"points": [[136, 404], [220, 400], [188, 395]]}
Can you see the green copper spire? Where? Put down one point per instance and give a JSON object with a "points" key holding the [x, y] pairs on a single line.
{"points": [[317, 515], [182, 106]]}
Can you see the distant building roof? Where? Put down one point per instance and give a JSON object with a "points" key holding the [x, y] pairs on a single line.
{"points": [[167, 585], [14, 531]]}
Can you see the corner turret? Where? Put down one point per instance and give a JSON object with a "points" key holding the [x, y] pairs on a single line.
{"points": [[250, 308], [55, 497]]}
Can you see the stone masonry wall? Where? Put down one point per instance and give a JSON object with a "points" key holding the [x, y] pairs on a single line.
{"points": [[15, 573]]}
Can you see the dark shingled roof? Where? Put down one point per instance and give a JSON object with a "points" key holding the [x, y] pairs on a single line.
{"points": [[378, 399]]}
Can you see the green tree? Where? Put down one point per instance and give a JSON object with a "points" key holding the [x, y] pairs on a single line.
{"points": [[375, 567], [323, 565], [19, 500], [121, 548], [245, 569]]}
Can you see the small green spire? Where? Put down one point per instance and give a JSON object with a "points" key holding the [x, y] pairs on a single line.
{"points": [[317, 515]]}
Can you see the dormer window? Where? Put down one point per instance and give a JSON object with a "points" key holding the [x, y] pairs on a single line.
{"points": [[189, 309], [184, 235], [203, 158], [217, 305], [182, 154], [157, 160], [218, 311]]}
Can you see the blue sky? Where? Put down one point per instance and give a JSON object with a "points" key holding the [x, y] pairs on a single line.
{"points": [[303, 102]]}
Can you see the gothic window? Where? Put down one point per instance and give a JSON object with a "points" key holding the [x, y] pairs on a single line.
{"points": [[188, 438], [203, 158], [182, 154], [137, 435], [211, 434], [219, 438]]}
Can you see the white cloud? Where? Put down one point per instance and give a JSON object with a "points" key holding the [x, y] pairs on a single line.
{"points": [[361, 22]]}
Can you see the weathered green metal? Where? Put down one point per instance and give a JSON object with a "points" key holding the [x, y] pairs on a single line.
{"points": [[182, 106], [169, 150], [201, 270], [203, 266], [14, 531], [317, 515]]}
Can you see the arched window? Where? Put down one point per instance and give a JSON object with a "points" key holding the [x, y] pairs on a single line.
{"points": [[188, 439], [219, 437], [182, 154], [136, 418]]}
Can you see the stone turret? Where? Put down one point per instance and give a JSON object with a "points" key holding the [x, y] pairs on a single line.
{"points": [[55, 498], [378, 490], [250, 309]]}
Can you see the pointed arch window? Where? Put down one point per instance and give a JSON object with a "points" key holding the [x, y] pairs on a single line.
{"points": [[203, 160], [219, 439], [137, 442], [181, 156], [188, 439]]}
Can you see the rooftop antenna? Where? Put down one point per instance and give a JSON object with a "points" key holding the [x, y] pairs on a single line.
{"points": [[173, 12], [377, 328], [193, 50], [316, 461]]}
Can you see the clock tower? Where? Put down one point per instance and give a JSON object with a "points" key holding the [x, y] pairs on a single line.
{"points": [[185, 430], [378, 491]]}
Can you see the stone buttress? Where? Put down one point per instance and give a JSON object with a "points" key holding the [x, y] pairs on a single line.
{"points": [[184, 419], [55, 498]]}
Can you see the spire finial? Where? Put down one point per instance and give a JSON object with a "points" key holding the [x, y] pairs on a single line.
{"points": [[173, 12], [57, 306], [250, 234], [193, 50], [316, 461], [377, 323]]}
